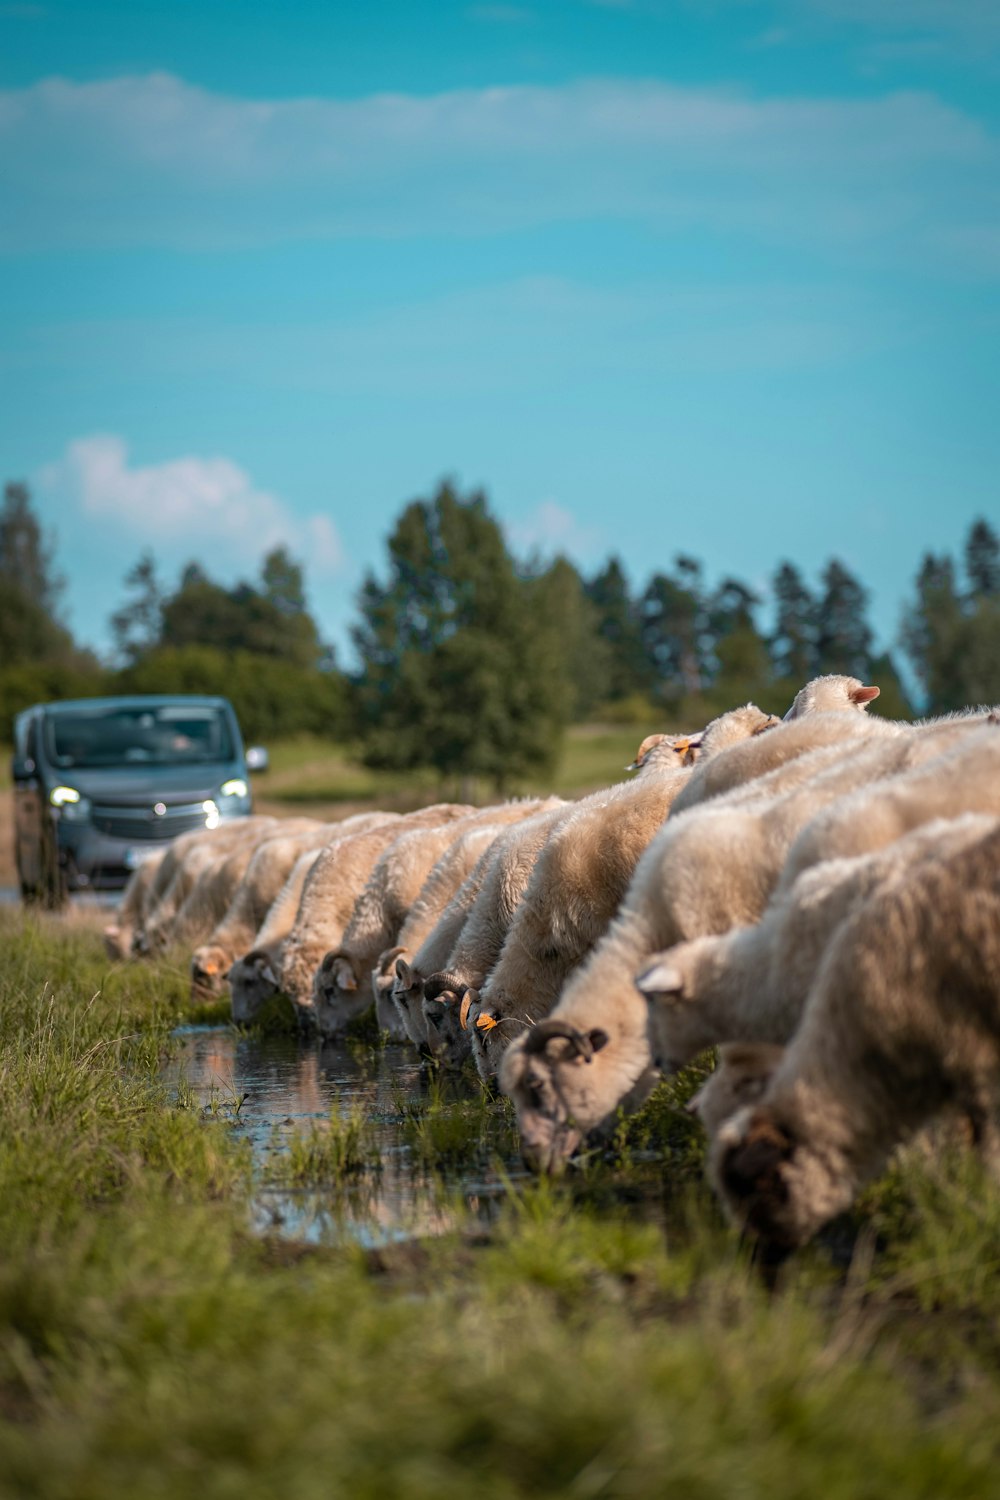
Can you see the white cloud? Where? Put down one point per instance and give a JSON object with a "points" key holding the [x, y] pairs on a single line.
{"points": [[155, 160], [550, 528], [190, 505]]}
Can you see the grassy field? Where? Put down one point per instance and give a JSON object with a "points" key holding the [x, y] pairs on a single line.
{"points": [[150, 1345]]}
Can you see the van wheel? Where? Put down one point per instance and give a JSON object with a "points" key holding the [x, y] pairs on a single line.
{"points": [[52, 891]]}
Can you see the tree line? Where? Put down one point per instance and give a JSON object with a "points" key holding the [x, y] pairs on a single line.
{"points": [[472, 660]]}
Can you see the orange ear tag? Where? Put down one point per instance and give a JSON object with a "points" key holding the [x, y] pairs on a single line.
{"points": [[485, 1023]]}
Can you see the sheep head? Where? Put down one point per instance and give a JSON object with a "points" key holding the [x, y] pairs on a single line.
{"points": [[733, 727], [252, 980], [832, 694], [666, 750], [445, 1007], [384, 973], [338, 994], [673, 982], [407, 996], [209, 969], [117, 941], [776, 1186], [552, 1073]]}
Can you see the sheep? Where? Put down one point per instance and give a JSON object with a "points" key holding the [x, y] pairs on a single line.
{"points": [[575, 889], [505, 871], [136, 903], [256, 976], [394, 977], [708, 870], [902, 1022], [328, 898], [341, 984], [750, 984], [742, 1073], [965, 779], [183, 864], [797, 747], [266, 874], [831, 694]]}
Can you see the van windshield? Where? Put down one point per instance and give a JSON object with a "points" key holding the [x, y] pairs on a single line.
{"points": [[159, 735]]}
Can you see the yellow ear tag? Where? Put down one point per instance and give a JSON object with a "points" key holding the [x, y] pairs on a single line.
{"points": [[463, 1014], [485, 1023]]}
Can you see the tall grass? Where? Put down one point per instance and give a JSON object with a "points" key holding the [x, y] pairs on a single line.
{"points": [[150, 1345]]}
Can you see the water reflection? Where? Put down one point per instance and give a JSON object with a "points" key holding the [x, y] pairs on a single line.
{"points": [[274, 1088]]}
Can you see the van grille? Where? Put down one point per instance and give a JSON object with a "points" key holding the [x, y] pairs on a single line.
{"points": [[139, 823]]}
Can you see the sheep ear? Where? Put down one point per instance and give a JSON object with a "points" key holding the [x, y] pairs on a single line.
{"points": [[343, 974], [598, 1039], [404, 973], [663, 978], [864, 694]]}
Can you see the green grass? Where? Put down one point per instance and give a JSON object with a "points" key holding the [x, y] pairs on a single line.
{"points": [[150, 1345]]}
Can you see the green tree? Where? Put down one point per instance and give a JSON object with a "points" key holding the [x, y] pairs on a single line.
{"points": [[137, 627], [793, 645], [674, 629], [982, 560], [461, 671], [843, 636], [567, 623], [618, 625], [30, 629]]}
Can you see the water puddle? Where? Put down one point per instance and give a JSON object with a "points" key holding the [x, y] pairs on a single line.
{"points": [[276, 1090]]}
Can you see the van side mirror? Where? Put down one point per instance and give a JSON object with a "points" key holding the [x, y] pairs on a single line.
{"points": [[257, 758], [22, 767]]}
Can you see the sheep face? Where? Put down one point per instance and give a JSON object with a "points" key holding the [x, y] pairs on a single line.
{"points": [[408, 997], [666, 750], [447, 1039], [742, 1073], [117, 942], [831, 694], [774, 1184], [671, 984], [555, 1076], [734, 726], [252, 981], [338, 994], [209, 967]]}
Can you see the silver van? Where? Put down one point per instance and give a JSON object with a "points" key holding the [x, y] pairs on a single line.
{"points": [[101, 783]]}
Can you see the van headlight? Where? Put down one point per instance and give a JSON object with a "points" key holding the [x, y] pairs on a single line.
{"points": [[233, 797], [73, 807]]}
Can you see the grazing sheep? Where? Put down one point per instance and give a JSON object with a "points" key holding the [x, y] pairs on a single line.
{"points": [[266, 874], [507, 868], [966, 778], [256, 976], [750, 984], [792, 750], [708, 870], [576, 887], [330, 893], [186, 860], [903, 1022], [342, 982], [136, 903], [437, 911], [666, 749]]}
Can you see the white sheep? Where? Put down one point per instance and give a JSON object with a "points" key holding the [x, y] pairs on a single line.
{"points": [[342, 982], [330, 893], [902, 1022], [190, 859], [831, 694], [750, 984], [708, 870], [256, 976], [137, 902], [576, 887]]}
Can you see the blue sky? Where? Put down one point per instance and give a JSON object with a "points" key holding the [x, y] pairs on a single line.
{"points": [[719, 278]]}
